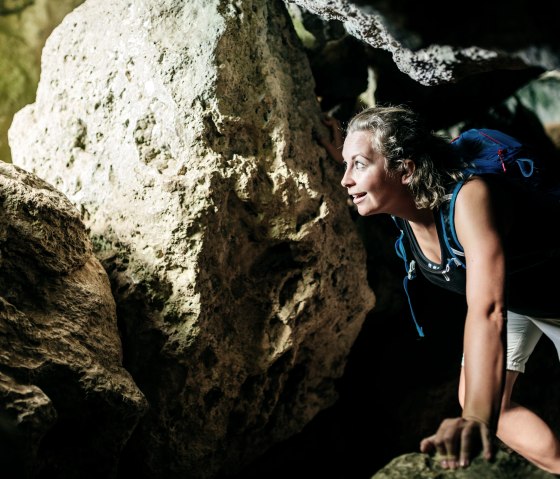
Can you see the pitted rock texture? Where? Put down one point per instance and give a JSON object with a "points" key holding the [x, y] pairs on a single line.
{"points": [[434, 44], [67, 405], [183, 133], [420, 466], [24, 27]]}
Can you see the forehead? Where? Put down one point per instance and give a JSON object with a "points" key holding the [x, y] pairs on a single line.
{"points": [[358, 142]]}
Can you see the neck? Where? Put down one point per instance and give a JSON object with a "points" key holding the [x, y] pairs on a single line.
{"points": [[419, 216], [422, 217]]}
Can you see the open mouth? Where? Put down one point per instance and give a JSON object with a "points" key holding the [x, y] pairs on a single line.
{"points": [[358, 197]]}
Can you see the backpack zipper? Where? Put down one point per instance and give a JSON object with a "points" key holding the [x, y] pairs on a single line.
{"points": [[501, 157]]}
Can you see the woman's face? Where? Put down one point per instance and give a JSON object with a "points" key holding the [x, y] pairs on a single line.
{"points": [[372, 188]]}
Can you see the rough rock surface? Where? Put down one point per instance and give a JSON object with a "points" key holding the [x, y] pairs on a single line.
{"points": [[434, 44], [24, 27], [183, 132], [66, 403], [420, 466]]}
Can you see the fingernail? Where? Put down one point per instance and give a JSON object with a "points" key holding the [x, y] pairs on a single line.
{"points": [[463, 463]]}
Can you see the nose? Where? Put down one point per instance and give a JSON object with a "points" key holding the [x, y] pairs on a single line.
{"points": [[347, 179]]}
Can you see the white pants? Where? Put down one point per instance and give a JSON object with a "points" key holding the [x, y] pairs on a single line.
{"points": [[523, 334]]}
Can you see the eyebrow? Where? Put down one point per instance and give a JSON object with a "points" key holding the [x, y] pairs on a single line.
{"points": [[360, 154]]}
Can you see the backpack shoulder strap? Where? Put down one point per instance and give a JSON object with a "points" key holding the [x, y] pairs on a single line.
{"points": [[447, 218], [400, 249], [410, 269]]}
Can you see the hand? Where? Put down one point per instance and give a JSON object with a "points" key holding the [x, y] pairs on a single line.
{"points": [[334, 146], [458, 440]]}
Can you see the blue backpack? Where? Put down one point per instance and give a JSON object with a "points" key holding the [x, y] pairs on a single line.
{"points": [[485, 152], [491, 152]]}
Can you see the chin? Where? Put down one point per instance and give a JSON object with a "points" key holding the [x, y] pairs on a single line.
{"points": [[365, 211]]}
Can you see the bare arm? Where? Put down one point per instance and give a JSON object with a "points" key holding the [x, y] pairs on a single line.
{"points": [[479, 233]]}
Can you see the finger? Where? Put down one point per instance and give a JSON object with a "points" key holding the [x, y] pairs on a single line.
{"points": [[465, 453], [487, 446], [447, 439], [441, 453], [450, 442], [427, 445]]}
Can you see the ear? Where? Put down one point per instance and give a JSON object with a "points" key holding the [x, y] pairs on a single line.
{"points": [[408, 168]]}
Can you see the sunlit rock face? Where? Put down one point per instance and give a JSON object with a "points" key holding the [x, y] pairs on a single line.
{"points": [[67, 406], [183, 133]]}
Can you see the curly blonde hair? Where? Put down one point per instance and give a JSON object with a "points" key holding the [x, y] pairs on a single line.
{"points": [[398, 133]]}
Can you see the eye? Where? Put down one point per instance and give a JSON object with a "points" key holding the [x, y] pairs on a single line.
{"points": [[359, 165], [345, 165]]}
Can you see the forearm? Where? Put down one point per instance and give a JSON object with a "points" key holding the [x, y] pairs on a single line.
{"points": [[484, 367]]}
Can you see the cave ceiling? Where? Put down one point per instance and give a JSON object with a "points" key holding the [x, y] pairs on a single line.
{"points": [[451, 61]]}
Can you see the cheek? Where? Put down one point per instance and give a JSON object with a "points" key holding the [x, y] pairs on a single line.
{"points": [[376, 181]]}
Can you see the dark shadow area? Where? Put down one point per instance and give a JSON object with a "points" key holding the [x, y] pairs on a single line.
{"points": [[396, 387]]}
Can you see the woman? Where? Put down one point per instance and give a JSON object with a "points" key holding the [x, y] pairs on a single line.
{"points": [[395, 165]]}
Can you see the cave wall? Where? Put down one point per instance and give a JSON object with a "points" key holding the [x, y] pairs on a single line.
{"points": [[67, 404], [183, 135], [182, 132]]}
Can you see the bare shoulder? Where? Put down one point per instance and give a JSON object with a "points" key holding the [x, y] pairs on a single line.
{"points": [[475, 193], [474, 185], [482, 206], [492, 191]]}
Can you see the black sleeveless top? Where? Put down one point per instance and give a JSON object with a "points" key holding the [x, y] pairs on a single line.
{"points": [[532, 250]]}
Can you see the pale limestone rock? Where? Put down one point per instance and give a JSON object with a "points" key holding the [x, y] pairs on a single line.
{"points": [[24, 27], [67, 406], [183, 132]]}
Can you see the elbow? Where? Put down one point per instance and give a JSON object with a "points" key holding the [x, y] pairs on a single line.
{"points": [[497, 315], [494, 313]]}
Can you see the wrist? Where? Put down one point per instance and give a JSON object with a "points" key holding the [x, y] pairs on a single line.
{"points": [[472, 417]]}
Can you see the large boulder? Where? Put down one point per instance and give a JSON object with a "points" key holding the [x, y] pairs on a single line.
{"points": [[67, 405], [183, 133]]}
